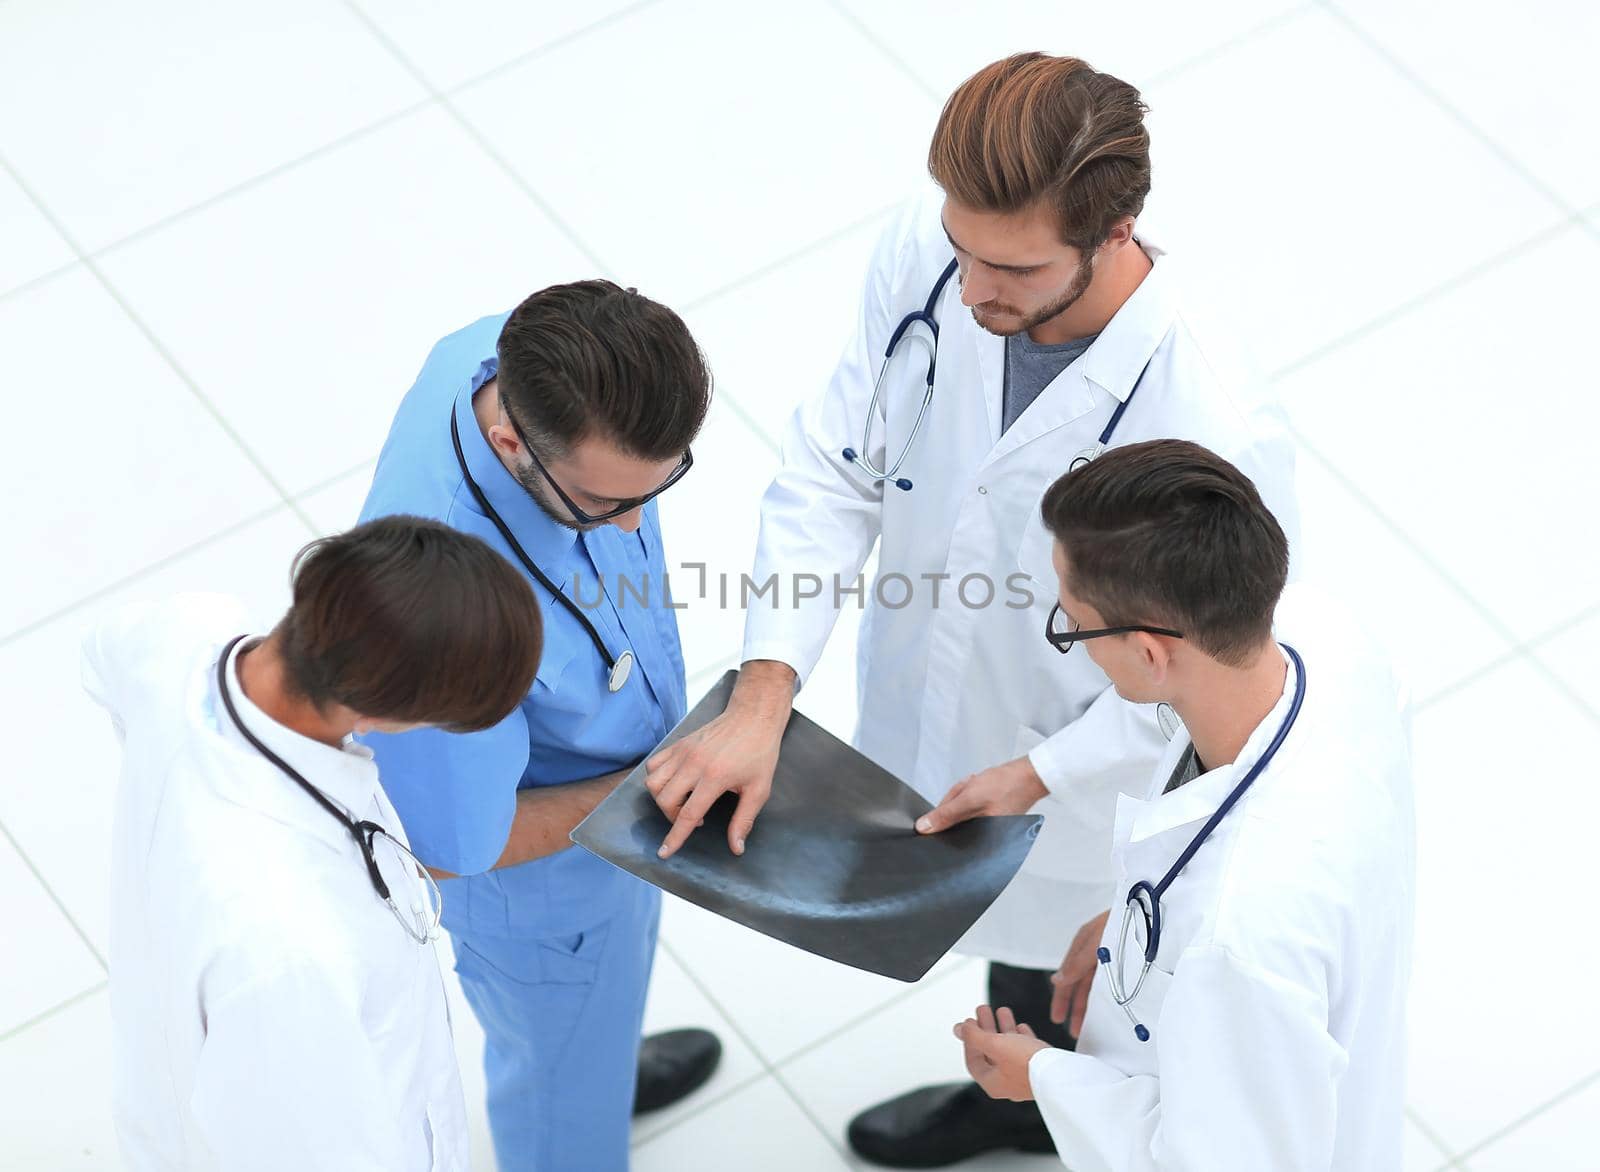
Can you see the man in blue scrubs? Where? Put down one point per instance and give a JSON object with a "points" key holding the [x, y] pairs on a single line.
{"points": [[547, 432]]}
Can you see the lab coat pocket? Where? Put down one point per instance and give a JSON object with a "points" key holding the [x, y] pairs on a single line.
{"points": [[1107, 1032]]}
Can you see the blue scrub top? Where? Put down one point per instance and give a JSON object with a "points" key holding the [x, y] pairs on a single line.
{"points": [[456, 793]]}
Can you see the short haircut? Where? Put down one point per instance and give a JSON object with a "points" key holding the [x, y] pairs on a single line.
{"points": [[594, 359], [409, 620], [1168, 533], [1036, 129]]}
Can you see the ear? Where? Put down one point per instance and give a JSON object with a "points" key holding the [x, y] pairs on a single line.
{"points": [[1120, 236], [503, 439], [1155, 657]]}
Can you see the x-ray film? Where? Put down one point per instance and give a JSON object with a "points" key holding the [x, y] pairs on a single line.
{"points": [[834, 864]]}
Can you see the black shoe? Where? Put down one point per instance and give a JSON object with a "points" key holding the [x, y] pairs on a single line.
{"points": [[673, 1065], [935, 1126]]}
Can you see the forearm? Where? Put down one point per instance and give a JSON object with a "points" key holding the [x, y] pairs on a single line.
{"points": [[546, 814], [542, 822]]}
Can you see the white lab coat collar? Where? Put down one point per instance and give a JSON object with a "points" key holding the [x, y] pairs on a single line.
{"points": [[348, 776], [1112, 364], [1120, 352], [1145, 827]]}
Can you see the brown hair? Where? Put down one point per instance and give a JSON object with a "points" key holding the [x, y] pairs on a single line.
{"points": [[1170, 534], [409, 620], [1032, 128], [592, 358]]}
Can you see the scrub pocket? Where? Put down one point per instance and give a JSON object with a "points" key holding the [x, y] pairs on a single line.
{"points": [[552, 960], [530, 995]]}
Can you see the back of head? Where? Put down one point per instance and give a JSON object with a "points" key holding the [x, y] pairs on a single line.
{"points": [[1034, 128], [592, 359], [1168, 533], [408, 620]]}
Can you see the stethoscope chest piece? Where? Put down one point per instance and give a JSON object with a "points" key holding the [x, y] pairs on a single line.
{"points": [[620, 671]]}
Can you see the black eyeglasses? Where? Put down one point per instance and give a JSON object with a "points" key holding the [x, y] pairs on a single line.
{"points": [[1062, 632], [578, 514]]}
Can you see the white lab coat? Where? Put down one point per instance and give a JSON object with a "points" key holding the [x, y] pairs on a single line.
{"points": [[1277, 1001], [948, 687], [269, 1011]]}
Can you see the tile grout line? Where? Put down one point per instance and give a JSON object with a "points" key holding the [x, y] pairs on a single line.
{"points": [[752, 423], [1425, 298], [142, 327], [1494, 1137], [5, 832], [840, 1031], [700, 1109], [1159, 77], [177, 555], [449, 107], [42, 279], [1490, 618], [1267, 25], [550, 46], [327, 148], [1463, 682], [266, 176], [767, 1067], [1446, 1157], [886, 52], [41, 1018], [1549, 634], [1403, 70], [773, 266]]}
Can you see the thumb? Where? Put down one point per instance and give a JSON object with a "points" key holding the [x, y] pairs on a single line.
{"points": [[957, 806]]}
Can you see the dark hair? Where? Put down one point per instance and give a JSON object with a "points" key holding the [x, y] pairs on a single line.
{"points": [[1034, 128], [409, 620], [591, 358], [1170, 534]]}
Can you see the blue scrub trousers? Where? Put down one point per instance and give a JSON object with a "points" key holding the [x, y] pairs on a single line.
{"points": [[562, 1016]]}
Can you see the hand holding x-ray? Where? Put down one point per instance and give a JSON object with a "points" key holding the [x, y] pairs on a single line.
{"points": [[835, 865]]}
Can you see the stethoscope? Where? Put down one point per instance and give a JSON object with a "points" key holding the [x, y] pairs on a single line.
{"points": [[930, 342], [620, 667], [422, 928], [1145, 898]]}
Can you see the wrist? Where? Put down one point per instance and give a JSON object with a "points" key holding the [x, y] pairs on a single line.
{"points": [[1029, 782], [765, 690]]}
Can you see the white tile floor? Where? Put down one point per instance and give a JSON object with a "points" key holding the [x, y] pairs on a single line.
{"points": [[229, 233]]}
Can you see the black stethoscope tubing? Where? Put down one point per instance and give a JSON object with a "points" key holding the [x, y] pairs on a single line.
{"points": [[362, 831], [528, 563], [1152, 892]]}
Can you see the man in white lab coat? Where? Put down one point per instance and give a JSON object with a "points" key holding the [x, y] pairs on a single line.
{"points": [[1061, 330], [1246, 990], [276, 997]]}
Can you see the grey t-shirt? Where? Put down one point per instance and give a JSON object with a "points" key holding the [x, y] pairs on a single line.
{"points": [[1030, 368], [1187, 770]]}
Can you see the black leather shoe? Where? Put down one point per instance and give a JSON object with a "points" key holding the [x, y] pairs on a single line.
{"points": [[935, 1126], [673, 1065]]}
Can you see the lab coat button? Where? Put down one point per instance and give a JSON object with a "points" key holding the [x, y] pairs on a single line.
{"points": [[983, 490]]}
